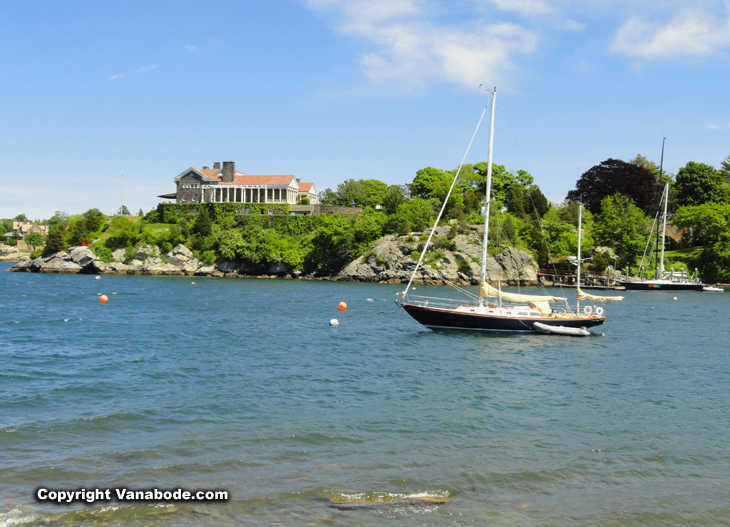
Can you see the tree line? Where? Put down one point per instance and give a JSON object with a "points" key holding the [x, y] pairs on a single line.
{"points": [[621, 201]]}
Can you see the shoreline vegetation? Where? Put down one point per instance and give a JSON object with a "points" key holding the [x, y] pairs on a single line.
{"points": [[382, 237], [390, 259]]}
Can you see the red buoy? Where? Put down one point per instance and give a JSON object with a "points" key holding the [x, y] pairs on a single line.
{"points": [[103, 299], [343, 306]]}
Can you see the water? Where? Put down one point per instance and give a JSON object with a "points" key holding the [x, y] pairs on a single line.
{"points": [[241, 385]]}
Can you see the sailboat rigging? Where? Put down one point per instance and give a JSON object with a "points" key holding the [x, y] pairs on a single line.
{"points": [[493, 309], [664, 281]]}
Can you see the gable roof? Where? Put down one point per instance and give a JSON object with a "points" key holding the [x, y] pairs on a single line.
{"points": [[242, 179], [215, 175], [305, 187]]}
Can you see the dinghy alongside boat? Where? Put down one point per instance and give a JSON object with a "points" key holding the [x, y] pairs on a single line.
{"points": [[560, 330]]}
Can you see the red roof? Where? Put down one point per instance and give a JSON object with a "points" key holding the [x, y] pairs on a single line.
{"points": [[305, 187], [242, 179]]}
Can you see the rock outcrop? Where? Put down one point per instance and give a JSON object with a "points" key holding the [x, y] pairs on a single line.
{"points": [[392, 259], [8, 253]]}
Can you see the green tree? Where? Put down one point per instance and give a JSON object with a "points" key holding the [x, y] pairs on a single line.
{"points": [[431, 182], [94, 220], [327, 197], [374, 191], [710, 224], [34, 239], [613, 176], [725, 170], [351, 191], [393, 198], [698, 183], [203, 224], [123, 211], [58, 217], [56, 239], [622, 226]]}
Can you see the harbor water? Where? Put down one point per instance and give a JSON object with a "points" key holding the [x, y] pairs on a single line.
{"points": [[241, 385]]}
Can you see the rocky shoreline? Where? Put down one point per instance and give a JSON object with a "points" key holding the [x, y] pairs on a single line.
{"points": [[391, 259]]}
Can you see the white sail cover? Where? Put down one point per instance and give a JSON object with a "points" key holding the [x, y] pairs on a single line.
{"points": [[596, 298], [487, 290]]}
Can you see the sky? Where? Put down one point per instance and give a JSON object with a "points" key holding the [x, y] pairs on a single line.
{"points": [[330, 90]]}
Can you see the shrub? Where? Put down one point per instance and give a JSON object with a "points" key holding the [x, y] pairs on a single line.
{"points": [[103, 253], [130, 253], [208, 257], [445, 244], [463, 266]]}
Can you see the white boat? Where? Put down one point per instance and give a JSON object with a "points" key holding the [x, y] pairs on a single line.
{"points": [[711, 289], [492, 309], [560, 330], [665, 280]]}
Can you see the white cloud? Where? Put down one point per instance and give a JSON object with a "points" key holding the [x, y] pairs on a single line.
{"points": [[692, 33], [412, 52], [141, 70], [716, 127], [526, 7], [191, 48]]}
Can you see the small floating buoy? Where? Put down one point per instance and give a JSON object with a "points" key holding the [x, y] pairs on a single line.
{"points": [[98, 277], [103, 299], [66, 319], [334, 322], [192, 283], [342, 306], [370, 300], [675, 298]]}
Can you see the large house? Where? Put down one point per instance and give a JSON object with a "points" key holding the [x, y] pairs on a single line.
{"points": [[222, 185]]}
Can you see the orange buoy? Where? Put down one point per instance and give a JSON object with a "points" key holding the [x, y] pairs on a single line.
{"points": [[103, 299], [343, 306]]}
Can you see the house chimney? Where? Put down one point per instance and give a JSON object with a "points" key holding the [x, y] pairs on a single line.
{"points": [[216, 165], [205, 167], [229, 171], [299, 180]]}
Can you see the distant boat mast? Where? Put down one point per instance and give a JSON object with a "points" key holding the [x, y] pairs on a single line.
{"points": [[121, 208]]}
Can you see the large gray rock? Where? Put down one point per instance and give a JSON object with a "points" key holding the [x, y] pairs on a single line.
{"points": [[148, 252], [156, 266], [8, 253], [81, 256], [278, 268], [60, 264], [24, 266], [393, 259], [183, 258], [119, 255], [205, 270]]}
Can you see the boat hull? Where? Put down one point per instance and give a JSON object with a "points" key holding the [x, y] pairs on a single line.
{"points": [[667, 286], [446, 319]]}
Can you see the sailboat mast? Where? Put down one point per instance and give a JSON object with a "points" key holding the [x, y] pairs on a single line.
{"points": [[577, 279], [664, 229], [488, 190]]}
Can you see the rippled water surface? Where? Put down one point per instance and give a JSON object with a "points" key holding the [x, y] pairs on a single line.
{"points": [[241, 385]]}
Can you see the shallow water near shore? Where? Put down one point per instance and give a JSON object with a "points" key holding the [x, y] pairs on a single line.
{"points": [[241, 385]]}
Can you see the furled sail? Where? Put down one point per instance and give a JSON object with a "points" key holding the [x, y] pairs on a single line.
{"points": [[487, 290], [596, 298]]}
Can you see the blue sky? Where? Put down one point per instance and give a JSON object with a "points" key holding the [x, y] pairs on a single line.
{"points": [[329, 90]]}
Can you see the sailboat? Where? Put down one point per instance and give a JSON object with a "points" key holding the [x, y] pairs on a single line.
{"points": [[665, 281], [493, 309]]}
